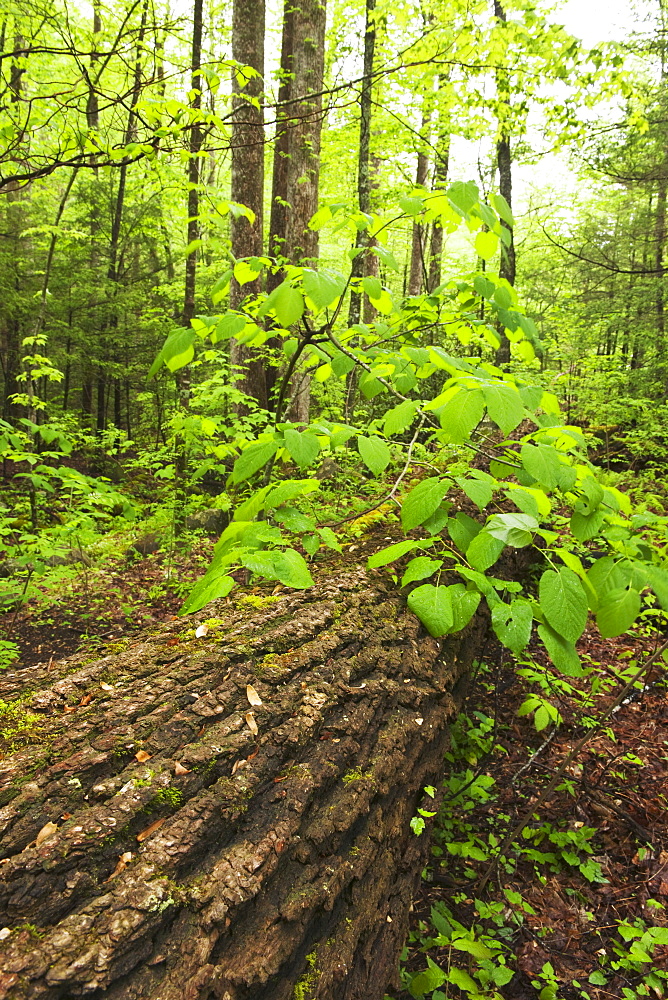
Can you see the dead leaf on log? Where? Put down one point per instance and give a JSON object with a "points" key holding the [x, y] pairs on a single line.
{"points": [[106, 687], [142, 756], [201, 631], [238, 764], [251, 723], [4, 933], [180, 769], [86, 700], [253, 697], [47, 831], [122, 862], [150, 829]]}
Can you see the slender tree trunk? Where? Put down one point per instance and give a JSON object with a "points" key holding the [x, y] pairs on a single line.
{"points": [[507, 266], [364, 163], [441, 167], [247, 185], [418, 272]]}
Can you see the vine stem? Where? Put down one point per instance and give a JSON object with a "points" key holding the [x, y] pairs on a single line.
{"points": [[559, 773]]}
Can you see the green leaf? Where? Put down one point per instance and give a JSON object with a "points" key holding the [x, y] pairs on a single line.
{"points": [[512, 624], [177, 351], [475, 948], [420, 568], [562, 652], [478, 491], [372, 287], [563, 601], [461, 415], [617, 611], [247, 270], [423, 501], [438, 520], [206, 590], [287, 302], [513, 529], [228, 326], [433, 607], [587, 526], [542, 462], [462, 530], [294, 520], [426, 981], [502, 208], [464, 605], [484, 550], [462, 979], [290, 489], [303, 447], [323, 287], [504, 406], [288, 567], [391, 553], [375, 453], [486, 245], [341, 364], [400, 417], [253, 459]]}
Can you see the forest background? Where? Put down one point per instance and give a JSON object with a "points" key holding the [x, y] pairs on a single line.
{"points": [[226, 262]]}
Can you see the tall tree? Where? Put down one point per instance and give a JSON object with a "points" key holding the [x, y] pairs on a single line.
{"points": [[507, 265], [247, 182]]}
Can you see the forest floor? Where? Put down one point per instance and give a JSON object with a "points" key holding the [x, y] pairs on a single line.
{"points": [[592, 864]]}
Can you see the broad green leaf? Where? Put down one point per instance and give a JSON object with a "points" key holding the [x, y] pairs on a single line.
{"points": [[391, 553], [400, 417], [504, 406], [323, 287], [228, 326], [478, 491], [563, 601], [484, 550], [542, 462], [562, 652], [247, 270], [513, 529], [658, 581], [462, 979], [420, 568], [341, 364], [438, 519], [461, 415], [462, 530], [433, 607], [530, 501], [177, 351], [294, 520], [253, 459], [375, 453], [475, 948], [290, 489], [486, 245], [426, 981], [372, 287], [423, 500], [286, 566], [464, 605], [287, 302], [617, 611], [502, 208], [206, 590], [303, 446], [587, 526], [329, 539], [512, 624]]}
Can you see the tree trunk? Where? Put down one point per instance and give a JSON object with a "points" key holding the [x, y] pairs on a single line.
{"points": [[441, 167], [167, 838], [359, 269], [418, 271], [507, 265], [247, 187]]}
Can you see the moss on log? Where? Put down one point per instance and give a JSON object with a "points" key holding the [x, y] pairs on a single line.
{"points": [[162, 838]]}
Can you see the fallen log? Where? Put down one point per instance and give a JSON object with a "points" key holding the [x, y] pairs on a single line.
{"points": [[166, 837]]}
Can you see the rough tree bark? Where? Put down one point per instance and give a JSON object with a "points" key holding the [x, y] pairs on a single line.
{"points": [[157, 848]]}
